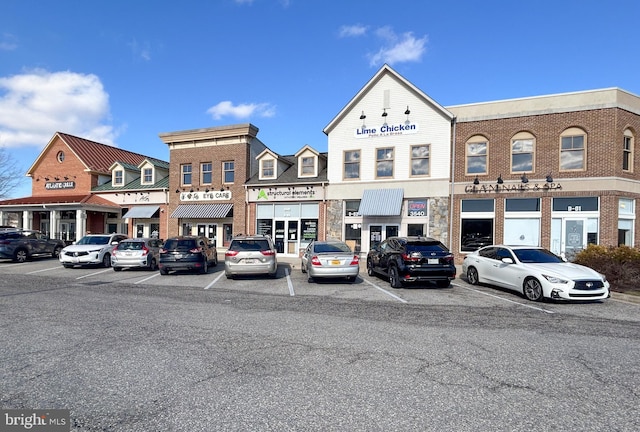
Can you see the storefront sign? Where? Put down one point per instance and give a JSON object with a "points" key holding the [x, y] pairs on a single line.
{"points": [[386, 130], [519, 187], [300, 193], [206, 196], [416, 208], [60, 185]]}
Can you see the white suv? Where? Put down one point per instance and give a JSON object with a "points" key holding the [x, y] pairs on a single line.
{"points": [[91, 249]]}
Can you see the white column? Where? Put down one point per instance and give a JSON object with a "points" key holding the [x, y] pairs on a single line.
{"points": [[27, 219], [81, 223], [2, 218], [54, 224]]}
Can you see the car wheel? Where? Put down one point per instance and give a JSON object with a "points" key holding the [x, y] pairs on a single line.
{"points": [[106, 260], [370, 270], [215, 260], [205, 267], [532, 289], [302, 269], [394, 277], [229, 275], [20, 255], [56, 252], [443, 284], [164, 271], [310, 279], [472, 276], [117, 269], [67, 265], [351, 278]]}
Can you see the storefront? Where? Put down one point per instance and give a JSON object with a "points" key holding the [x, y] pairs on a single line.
{"points": [[206, 214]]}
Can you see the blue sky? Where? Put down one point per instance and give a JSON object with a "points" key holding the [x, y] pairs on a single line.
{"points": [[122, 72]]}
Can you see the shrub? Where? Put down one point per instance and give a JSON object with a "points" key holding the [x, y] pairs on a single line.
{"points": [[621, 264]]}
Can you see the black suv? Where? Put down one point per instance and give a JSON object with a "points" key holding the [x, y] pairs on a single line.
{"points": [[412, 259], [20, 245], [187, 253]]}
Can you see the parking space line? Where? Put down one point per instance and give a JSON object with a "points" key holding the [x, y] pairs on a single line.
{"points": [[289, 283], [214, 281], [44, 270], [385, 291], [504, 299], [156, 274], [93, 274]]}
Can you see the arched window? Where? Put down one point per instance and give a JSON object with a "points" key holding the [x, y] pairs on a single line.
{"points": [[476, 155], [627, 150], [523, 146], [573, 150]]}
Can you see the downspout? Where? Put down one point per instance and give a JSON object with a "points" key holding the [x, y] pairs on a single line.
{"points": [[452, 174]]}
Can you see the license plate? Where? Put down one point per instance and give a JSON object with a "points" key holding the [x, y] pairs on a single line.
{"points": [[335, 262], [433, 261], [249, 261], [178, 256], [75, 259], [128, 254]]}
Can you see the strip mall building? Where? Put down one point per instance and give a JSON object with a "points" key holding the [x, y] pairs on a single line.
{"points": [[558, 171]]}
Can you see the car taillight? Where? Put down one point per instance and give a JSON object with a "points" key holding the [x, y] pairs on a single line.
{"points": [[315, 261], [448, 259], [231, 253], [145, 250], [196, 250], [4, 241], [411, 258], [163, 250], [355, 260], [267, 252]]}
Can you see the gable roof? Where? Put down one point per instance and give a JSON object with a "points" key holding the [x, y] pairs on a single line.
{"points": [[96, 157], [384, 70]]}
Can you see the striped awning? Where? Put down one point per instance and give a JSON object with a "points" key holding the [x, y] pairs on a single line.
{"points": [[381, 202], [140, 212], [200, 211]]}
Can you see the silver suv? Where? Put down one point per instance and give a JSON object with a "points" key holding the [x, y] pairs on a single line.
{"points": [[21, 245], [250, 255]]}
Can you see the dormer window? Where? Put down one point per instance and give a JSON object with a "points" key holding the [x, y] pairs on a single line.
{"points": [[118, 178], [308, 166], [147, 176], [267, 168]]}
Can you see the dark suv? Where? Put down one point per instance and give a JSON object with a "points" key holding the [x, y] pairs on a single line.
{"points": [[412, 259], [187, 253], [20, 245]]}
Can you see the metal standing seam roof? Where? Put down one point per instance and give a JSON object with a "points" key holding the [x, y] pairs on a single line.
{"points": [[198, 211], [140, 212], [381, 202]]}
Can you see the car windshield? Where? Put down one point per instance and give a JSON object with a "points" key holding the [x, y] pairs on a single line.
{"points": [[331, 248], [536, 256], [94, 240], [249, 245]]}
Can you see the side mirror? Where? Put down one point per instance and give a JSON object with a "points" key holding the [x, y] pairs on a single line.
{"points": [[507, 260]]}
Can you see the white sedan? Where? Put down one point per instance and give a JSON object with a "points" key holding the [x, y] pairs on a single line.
{"points": [[534, 272]]}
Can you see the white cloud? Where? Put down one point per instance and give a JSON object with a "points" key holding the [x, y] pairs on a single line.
{"points": [[8, 42], [35, 105], [352, 30], [140, 50], [398, 49], [241, 111]]}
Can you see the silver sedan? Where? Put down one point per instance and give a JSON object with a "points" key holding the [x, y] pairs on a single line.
{"points": [[330, 259]]}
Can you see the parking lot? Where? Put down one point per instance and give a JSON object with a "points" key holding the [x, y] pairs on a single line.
{"points": [[290, 281]]}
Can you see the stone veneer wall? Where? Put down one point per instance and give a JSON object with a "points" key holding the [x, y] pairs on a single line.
{"points": [[334, 219], [439, 219]]}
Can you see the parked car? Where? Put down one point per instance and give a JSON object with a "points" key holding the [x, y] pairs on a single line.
{"points": [[21, 245], [412, 259], [187, 253], [535, 272], [92, 249], [250, 255], [136, 252], [330, 259]]}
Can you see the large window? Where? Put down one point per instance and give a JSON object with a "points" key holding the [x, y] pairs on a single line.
{"points": [[522, 221], [476, 157], [205, 170], [572, 150], [627, 151], [420, 160], [351, 207], [522, 152], [626, 221], [308, 166], [267, 168], [352, 164], [476, 228], [384, 162], [228, 171], [186, 174]]}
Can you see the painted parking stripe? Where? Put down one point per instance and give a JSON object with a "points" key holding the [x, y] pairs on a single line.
{"points": [[289, 283], [156, 274], [93, 274], [504, 299], [385, 291], [44, 270], [214, 281]]}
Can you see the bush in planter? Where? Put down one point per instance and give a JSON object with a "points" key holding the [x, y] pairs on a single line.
{"points": [[621, 265]]}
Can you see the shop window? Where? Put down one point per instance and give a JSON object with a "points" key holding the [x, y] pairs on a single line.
{"points": [[420, 160], [476, 233], [627, 151], [186, 228], [228, 171], [206, 173], [573, 144], [522, 152], [352, 164], [186, 174], [351, 207], [154, 230], [415, 229], [476, 155], [384, 162], [139, 230], [626, 221], [353, 236]]}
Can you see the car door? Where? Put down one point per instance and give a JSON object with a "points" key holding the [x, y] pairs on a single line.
{"points": [[506, 274], [376, 254], [387, 252]]}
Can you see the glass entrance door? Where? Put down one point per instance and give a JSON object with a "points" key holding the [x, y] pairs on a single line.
{"points": [[208, 231], [377, 233], [574, 236]]}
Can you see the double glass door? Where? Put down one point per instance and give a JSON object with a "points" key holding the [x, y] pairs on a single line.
{"points": [[286, 236], [378, 233]]}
